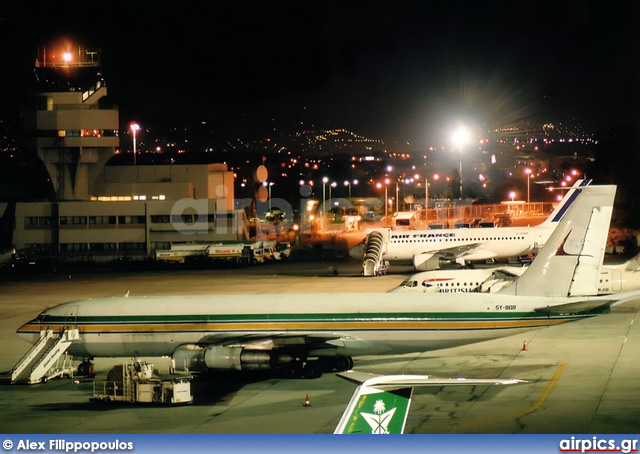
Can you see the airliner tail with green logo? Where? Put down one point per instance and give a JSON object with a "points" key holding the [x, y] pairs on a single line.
{"points": [[380, 405]]}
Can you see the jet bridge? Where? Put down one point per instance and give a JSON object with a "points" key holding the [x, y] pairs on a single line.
{"points": [[46, 359]]}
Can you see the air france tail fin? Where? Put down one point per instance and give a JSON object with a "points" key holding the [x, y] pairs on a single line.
{"points": [[380, 405], [569, 263], [561, 209]]}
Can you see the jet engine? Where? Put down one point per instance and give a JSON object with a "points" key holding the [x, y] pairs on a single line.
{"points": [[426, 262], [204, 358]]}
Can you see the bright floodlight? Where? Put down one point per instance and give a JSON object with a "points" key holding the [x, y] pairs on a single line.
{"points": [[135, 127], [66, 57], [460, 136]]}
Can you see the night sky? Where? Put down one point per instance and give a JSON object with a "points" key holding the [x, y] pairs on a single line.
{"points": [[401, 71]]}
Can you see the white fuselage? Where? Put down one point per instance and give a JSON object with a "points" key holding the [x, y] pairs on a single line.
{"points": [[482, 243], [348, 324], [612, 279]]}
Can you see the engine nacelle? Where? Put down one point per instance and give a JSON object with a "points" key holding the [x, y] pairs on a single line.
{"points": [[204, 358], [426, 262], [189, 358]]}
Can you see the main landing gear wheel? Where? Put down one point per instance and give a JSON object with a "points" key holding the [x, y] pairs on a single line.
{"points": [[344, 363], [312, 369], [337, 363], [85, 369]]}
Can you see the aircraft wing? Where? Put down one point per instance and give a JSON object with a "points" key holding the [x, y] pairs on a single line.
{"points": [[510, 272], [455, 251], [273, 339], [380, 405]]}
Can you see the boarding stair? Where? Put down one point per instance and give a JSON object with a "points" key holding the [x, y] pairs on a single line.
{"points": [[46, 359], [372, 263]]}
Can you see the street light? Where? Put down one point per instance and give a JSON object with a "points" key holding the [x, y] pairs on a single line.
{"points": [[386, 199], [426, 193], [348, 183], [528, 171], [135, 127], [398, 198], [460, 138], [268, 185], [325, 180]]}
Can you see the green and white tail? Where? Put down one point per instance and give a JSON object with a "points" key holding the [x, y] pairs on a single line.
{"points": [[380, 405]]}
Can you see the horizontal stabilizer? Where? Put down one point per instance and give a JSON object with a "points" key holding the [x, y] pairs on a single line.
{"points": [[390, 381], [577, 307], [595, 303], [633, 264]]}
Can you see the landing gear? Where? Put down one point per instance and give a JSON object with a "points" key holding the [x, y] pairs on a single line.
{"points": [[343, 363], [85, 369], [315, 368], [312, 369]]}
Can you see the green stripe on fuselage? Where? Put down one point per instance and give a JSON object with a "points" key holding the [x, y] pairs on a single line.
{"points": [[314, 317]]}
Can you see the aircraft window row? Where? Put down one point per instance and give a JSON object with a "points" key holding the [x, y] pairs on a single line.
{"points": [[452, 284], [434, 240]]}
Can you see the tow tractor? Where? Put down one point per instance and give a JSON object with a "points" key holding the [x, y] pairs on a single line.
{"points": [[136, 382]]}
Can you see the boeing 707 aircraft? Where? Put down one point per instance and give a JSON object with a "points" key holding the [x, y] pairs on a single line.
{"points": [[307, 334], [424, 249]]}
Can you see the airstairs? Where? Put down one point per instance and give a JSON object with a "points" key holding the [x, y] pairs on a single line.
{"points": [[372, 263], [46, 359]]}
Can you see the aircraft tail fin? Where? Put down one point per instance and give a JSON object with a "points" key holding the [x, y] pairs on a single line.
{"points": [[569, 263], [561, 209], [380, 405]]}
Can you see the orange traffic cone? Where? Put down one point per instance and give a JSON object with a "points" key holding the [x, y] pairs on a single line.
{"points": [[524, 346], [306, 401]]}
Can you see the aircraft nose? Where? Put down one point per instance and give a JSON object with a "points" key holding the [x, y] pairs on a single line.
{"points": [[357, 252], [26, 333]]}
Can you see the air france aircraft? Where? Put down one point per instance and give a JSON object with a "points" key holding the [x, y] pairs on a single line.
{"points": [[425, 248], [380, 404], [307, 334], [612, 279]]}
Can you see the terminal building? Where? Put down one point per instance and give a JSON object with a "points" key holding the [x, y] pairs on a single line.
{"points": [[104, 212]]}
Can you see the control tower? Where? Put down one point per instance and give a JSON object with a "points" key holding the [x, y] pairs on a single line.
{"points": [[68, 121]]}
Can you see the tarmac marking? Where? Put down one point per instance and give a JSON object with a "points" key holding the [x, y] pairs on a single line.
{"points": [[534, 407]]}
